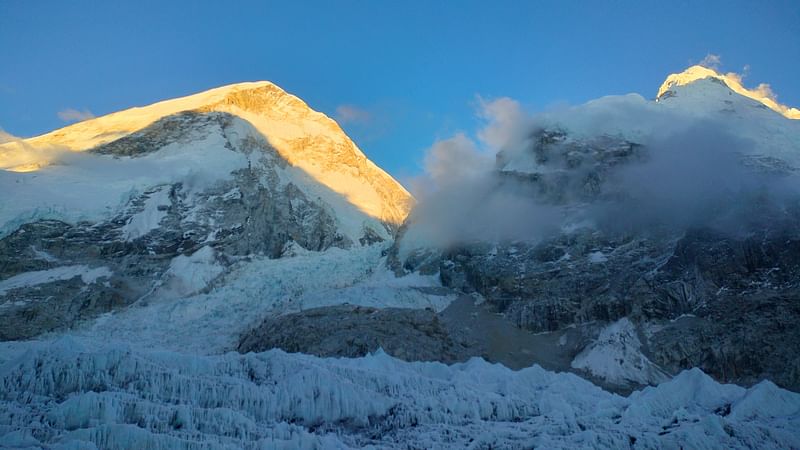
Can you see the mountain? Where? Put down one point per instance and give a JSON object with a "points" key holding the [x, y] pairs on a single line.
{"points": [[307, 140], [112, 210], [157, 264], [645, 236], [761, 94]]}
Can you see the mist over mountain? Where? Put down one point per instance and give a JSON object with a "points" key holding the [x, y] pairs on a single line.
{"points": [[672, 217], [709, 163]]}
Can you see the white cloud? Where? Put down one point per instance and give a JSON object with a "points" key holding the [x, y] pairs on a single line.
{"points": [[19, 156], [506, 123], [711, 61], [460, 158], [456, 158], [352, 114], [73, 115]]}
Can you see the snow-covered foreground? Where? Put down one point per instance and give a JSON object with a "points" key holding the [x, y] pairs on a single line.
{"points": [[60, 394], [156, 376]]}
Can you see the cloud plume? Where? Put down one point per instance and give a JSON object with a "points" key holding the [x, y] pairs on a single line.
{"points": [[526, 177], [711, 61], [346, 114], [19, 156], [73, 115]]}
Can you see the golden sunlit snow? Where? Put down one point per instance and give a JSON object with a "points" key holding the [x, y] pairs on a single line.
{"points": [[307, 139], [762, 93]]}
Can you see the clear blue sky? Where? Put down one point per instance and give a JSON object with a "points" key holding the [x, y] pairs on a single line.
{"points": [[410, 71]]}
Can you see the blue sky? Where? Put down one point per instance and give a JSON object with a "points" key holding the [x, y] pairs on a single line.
{"points": [[399, 75]]}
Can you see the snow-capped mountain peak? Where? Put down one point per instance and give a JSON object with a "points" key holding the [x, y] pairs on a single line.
{"points": [[195, 133], [183, 190], [84, 135], [304, 137], [733, 81]]}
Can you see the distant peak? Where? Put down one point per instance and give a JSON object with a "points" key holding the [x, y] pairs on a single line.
{"points": [[762, 93]]}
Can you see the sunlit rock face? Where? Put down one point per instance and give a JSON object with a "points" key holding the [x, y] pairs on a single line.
{"points": [[681, 219], [240, 171]]}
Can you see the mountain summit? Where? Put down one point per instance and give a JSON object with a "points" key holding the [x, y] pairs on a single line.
{"points": [[304, 138], [761, 94]]}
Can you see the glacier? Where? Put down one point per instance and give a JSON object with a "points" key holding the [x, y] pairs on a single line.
{"points": [[160, 375], [212, 320], [69, 393]]}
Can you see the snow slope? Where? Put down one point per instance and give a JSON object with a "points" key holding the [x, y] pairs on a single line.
{"points": [[92, 187], [87, 275], [616, 357]]}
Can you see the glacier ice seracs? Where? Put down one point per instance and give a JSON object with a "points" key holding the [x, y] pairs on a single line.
{"points": [[66, 394]]}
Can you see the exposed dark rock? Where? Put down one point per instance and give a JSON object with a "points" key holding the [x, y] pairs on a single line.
{"points": [[177, 128], [351, 331], [740, 339]]}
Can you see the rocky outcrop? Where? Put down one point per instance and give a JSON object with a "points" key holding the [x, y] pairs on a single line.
{"points": [[352, 331], [180, 128]]}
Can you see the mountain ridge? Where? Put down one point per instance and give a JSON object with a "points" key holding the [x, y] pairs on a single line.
{"points": [[305, 138], [762, 94]]}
